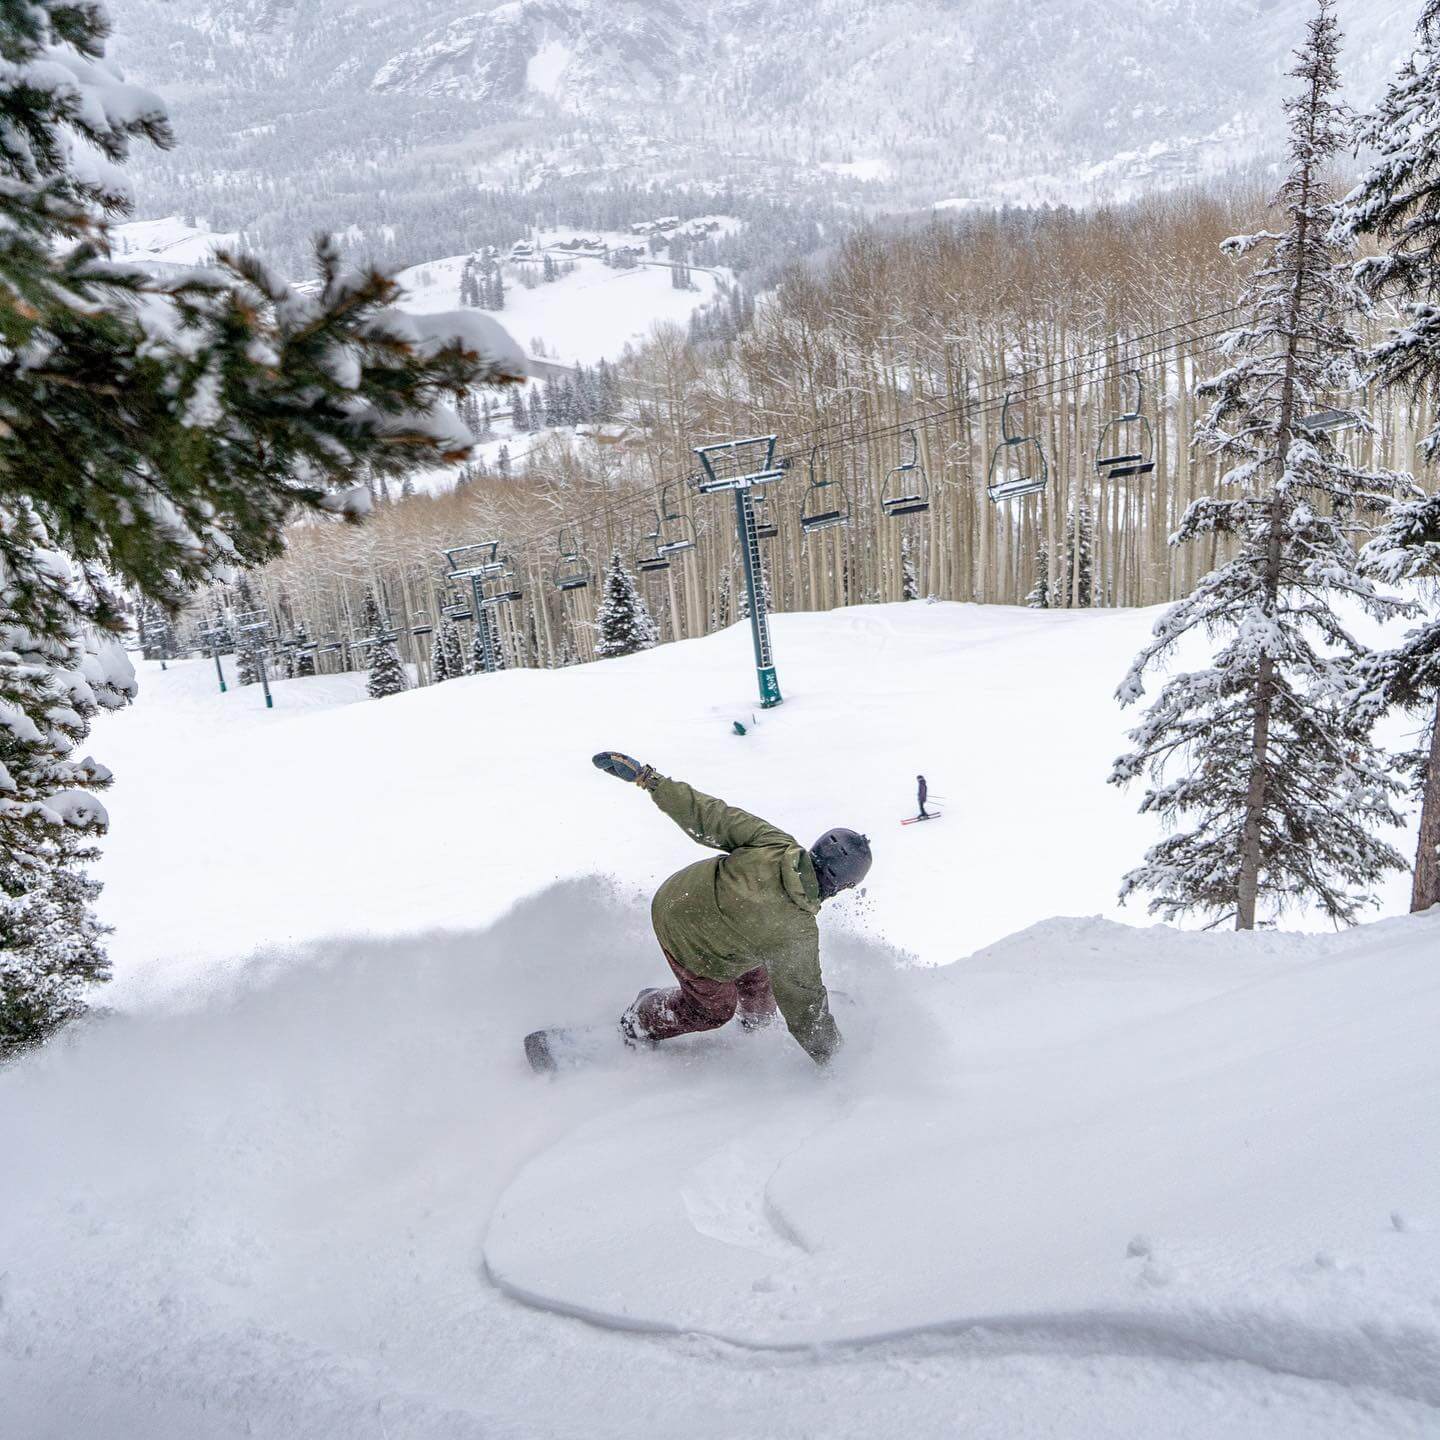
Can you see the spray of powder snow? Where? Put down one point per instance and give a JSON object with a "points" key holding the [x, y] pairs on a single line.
{"points": [[297, 1165]]}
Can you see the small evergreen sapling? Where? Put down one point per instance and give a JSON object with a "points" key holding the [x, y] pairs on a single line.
{"points": [[1261, 755], [623, 622], [387, 673]]}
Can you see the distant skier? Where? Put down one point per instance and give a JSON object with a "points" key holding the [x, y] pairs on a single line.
{"points": [[922, 790], [739, 930]]}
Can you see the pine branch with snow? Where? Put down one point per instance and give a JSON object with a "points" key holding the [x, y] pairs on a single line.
{"points": [[1398, 205], [160, 431]]}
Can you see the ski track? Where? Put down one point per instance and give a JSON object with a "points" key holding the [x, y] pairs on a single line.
{"points": [[1403, 1363]]}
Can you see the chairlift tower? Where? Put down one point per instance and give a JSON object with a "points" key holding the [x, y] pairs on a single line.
{"points": [[212, 636], [742, 466], [256, 623], [477, 564]]}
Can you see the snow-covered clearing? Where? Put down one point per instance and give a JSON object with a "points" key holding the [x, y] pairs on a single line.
{"points": [[1091, 1180], [591, 314]]}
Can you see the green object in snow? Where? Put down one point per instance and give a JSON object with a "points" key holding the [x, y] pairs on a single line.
{"points": [[740, 728], [754, 905]]}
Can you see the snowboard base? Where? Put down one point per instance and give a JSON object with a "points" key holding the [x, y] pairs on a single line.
{"points": [[566, 1047]]}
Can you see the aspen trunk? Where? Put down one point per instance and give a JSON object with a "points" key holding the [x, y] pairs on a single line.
{"points": [[1427, 859]]}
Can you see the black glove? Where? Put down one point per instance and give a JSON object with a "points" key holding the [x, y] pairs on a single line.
{"points": [[622, 767]]}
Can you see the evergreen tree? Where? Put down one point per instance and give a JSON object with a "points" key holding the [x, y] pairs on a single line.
{"points": [[387, 673], [447, 655], [497, 290], [487, 619], [1039, 596], [246, 670], [1407, 549], [1079, 577], [1397, 204], [622, 622], [909, 579], [520, 414], [156, 635], [155, 429], [1278, 781], [502, 461], [439, 660]]}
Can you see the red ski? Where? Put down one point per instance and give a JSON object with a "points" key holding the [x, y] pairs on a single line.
{"points": [[916, 819]]}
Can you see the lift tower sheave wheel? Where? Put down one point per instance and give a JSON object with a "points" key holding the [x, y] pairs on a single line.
{"points": [[743, 466]]}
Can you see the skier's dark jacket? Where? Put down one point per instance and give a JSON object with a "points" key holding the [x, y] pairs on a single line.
{"points": [[755, 905]]}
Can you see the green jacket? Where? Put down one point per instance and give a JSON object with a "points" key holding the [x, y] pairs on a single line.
{"points": [[754, 905]]}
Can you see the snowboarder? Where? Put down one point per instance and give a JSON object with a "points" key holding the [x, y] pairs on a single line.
{"points": [[922, 790], [739, 931]]}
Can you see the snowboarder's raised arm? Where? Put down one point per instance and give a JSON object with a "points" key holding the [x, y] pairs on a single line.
{"points": [[702, 817], [801, 998], [712, 822]]}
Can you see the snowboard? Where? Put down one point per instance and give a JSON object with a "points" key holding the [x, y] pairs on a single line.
{"points": [[566, 1047], [916, 819]]}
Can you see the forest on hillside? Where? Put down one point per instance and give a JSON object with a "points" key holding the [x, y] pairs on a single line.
{"points": [[902, 345]]}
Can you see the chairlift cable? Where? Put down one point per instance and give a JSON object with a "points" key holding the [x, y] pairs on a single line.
{"points": [[977, 406]]}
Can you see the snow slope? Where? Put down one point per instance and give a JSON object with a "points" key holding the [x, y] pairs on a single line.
{"points": [[1091, 1180]]}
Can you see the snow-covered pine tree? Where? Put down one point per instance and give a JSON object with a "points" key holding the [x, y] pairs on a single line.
{"points": [[1397, 204], [198, 413], [1407, 548], [1079, 576], [1039, 596], [246, 670], [454, 645], [488, 619], [1261, 756], [909, 580], [387, 674], [155, 631], [623, 623], [439, 660]]}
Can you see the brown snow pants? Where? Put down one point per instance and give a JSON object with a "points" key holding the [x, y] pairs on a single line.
{"points": [[701, 1004]]}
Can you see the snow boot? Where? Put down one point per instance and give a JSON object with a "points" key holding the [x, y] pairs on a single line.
{"points": [[631, 1026]]}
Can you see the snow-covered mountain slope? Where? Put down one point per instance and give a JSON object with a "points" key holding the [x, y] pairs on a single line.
{"points": [[1093, 1181], [377, 105], [1010, 714]]}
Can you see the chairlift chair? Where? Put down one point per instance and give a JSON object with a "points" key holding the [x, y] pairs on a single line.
{"points": [[572, 572], [648, 557], [906, 490], [1333, 417], [420, 623], [1127, 443], [766, 527], [1018, 466], [681, 536], [824, 504]]}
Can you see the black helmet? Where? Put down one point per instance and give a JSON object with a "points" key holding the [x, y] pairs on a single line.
{"points": [[842, 859]]}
